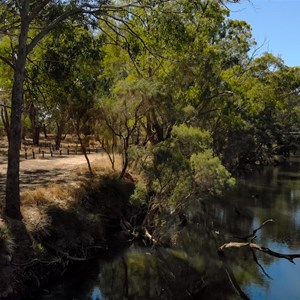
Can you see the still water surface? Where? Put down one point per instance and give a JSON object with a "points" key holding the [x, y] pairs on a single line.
{"points": [[191, 269]]}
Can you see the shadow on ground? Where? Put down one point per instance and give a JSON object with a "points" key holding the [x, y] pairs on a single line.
{"points": [[31, 179]]}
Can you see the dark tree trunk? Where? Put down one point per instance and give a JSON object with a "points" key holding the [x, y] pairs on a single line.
{"points": [[12, 208], [59, 133], [5, 120], [45, 131], [36, 135], [12, 204], [157, 127], [36, 128]]}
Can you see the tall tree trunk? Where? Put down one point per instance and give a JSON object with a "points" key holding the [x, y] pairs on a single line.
{"points": [[35, 126], [12, 204], [45, 132], [59, 132], [5, 120], [36, 135]]}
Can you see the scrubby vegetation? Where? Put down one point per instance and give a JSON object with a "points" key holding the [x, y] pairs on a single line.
{"points": [[62, 224], [171, 87]]}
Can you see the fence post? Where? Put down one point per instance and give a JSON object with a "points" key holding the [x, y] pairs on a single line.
{"points": [[43, 154], [33, 154], [25, 154]]}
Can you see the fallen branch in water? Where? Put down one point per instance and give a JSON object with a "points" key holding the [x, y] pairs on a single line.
{"points": [[252, 235], [289, 257], [253, 247]]}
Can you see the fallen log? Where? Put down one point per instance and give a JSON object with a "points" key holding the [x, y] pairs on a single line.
{"points": [[289, 257], [248, 243]]}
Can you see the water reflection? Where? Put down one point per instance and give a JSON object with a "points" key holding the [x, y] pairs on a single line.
{"points": [[191, 269], [96, 294]]}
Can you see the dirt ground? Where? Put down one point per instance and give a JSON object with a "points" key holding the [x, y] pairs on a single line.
{"points": [[42, 171]]}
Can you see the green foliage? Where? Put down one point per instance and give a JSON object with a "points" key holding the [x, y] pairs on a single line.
{"points": [[191, 139], [140, 195], [209, 173], [260, 112], [170, 86], [182, 166]]}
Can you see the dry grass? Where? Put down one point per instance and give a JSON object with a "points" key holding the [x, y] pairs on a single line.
{"points": [[73, 215], [36, 203], [101, 167], [54, 194]]}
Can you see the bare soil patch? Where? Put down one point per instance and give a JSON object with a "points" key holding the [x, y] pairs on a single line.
{"points": [[43, 171]]}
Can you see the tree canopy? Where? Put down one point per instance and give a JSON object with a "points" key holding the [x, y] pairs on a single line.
{"points": [[171, 85]]}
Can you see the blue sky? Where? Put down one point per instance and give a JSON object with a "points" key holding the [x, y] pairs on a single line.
{"points": [[275, 23]]}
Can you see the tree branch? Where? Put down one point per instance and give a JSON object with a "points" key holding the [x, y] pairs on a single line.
{"points": [[7, 61], [289, 257], [252, 235], [38, 9]]}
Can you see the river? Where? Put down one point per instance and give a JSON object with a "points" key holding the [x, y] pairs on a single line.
{"points": [[191, 268]]}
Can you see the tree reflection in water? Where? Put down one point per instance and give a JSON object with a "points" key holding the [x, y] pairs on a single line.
{"points": [[191, 269]]}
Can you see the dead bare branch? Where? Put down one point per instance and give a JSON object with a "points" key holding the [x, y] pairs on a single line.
{"points": [[289, 257], [252, 235]]}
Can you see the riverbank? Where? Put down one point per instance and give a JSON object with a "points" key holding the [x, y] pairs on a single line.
{"points": [[63, 223], [189, 266]]}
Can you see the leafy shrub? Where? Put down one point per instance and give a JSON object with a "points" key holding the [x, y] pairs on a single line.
{"points": [[209, 173], [191, 139], [140, 194]]}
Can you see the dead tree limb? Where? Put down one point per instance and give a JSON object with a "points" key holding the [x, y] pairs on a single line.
{"points": [[289, 257], [252, 235], [253, 247]]}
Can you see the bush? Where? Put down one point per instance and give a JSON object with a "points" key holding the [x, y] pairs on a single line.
{"points": [[209, 173]]}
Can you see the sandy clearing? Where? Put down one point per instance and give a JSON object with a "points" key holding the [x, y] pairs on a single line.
{"points": [[57, 162], [42, 171]]}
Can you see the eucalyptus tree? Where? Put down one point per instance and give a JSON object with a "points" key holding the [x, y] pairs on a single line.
{"points": [[259, 114], [68, 70], [176, 78], [5, 86], [27, 22]]}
